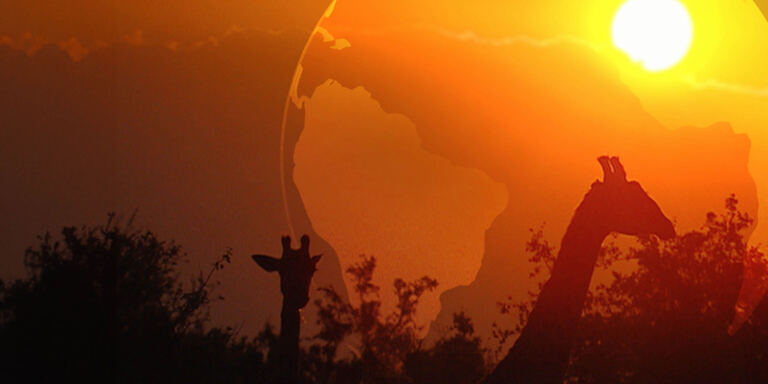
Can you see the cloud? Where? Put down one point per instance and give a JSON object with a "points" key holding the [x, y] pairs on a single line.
{"points": [[74, 49], [712, 84], [28, 43], [698, 84], [77, 49], [471, 37], [338, 44], [90, 21], [134, 38]]}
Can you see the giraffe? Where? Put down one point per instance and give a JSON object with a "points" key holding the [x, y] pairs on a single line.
{"points": [[296, 268], [540, 354]]}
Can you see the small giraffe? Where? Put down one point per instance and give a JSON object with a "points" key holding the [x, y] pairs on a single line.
{"points": [[296, 268], [540, 354]]}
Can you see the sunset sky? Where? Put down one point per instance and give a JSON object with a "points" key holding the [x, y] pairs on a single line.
{"points": [[173, 109], [527, 93], [432, 135]]}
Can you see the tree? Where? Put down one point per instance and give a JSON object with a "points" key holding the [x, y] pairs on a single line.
{"points": [[383, 342], [105, 304], [457, 358], [666, 319]]}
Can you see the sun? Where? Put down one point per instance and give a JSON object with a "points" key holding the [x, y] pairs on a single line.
{"points": [[655, 33]]}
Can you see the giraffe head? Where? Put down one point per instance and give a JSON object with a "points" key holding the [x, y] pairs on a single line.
{"points": [[295, 267], [618, 205]]}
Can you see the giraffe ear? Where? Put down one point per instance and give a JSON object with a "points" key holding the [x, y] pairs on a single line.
{"points": [[268, 263], [315, 259]]}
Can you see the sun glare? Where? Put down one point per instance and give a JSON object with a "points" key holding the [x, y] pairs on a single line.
{"points": [[655, 33]]}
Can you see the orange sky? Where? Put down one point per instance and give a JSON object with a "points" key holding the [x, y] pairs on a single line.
{"points": [[529, 93], [189, 137], [437, 126]]}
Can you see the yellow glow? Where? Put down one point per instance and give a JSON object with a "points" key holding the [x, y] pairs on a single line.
{"points": [[656, 33]]}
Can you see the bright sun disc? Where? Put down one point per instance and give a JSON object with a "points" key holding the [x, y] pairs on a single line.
{"points": [[656, 33]]}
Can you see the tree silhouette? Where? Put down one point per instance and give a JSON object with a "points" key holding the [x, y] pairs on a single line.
{"points": [[386, 348], [666, 319], [384, 341], [106, 304], [457, 358]]}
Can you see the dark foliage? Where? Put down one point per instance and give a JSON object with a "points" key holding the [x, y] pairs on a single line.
{"points": [[385, 348], [457, 358], [666, 319], [105, 304]]}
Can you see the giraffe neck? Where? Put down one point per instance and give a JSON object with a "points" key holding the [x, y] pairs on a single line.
{"points": [[541, 352], [289, 340], [561, 300]]}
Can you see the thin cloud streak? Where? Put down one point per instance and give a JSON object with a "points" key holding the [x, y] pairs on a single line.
{"points": [[708, 84]]}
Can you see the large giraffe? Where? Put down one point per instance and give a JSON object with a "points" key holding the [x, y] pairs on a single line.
{"points": [[540, 354], [296, 268]]}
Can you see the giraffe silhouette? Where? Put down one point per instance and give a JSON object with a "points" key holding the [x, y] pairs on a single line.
{"points": [[296, 269], [540, 354]]}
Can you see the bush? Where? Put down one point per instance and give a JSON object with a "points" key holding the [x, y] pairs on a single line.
{"points": [[386, 348], [105, 304]]}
